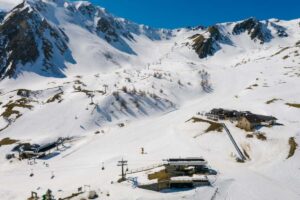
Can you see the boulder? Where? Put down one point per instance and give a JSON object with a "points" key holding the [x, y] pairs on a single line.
{"points": [[92, 194]]}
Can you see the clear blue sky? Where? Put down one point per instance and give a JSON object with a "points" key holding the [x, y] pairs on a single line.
{"points": [[182, 13]]}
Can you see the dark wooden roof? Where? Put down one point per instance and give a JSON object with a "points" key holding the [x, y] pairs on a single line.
{"points": [[186, 159], [266, 118], [46, 147], [252, 118]]}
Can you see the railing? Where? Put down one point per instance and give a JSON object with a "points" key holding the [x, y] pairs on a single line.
{"points": [[215, 194], [189, 180], [242, 157], [142, 169]]}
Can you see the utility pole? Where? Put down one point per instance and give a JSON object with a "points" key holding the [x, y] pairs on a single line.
{"points": [[122, 163]]}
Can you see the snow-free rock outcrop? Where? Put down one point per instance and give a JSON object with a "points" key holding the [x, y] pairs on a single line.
{"points": [[254, 28], [207, 44]]}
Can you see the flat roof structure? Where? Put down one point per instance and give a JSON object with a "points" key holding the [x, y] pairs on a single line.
{"points": [[190, 161]]}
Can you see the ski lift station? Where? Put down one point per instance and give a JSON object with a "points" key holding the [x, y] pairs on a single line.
{"points": [[188, 172]]}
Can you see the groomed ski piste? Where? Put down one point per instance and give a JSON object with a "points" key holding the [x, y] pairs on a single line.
{"points": [[116, 99]]}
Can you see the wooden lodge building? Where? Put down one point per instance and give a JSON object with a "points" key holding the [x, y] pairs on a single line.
{"points": [[250, 122], [246, 120], [223, 114], [191, 161], [27, 151], [180, 173], [185, 166]]}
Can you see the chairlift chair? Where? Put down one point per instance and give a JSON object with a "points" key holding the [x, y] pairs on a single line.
{"points": [[31, 173], [102, 168], [52, 175]]}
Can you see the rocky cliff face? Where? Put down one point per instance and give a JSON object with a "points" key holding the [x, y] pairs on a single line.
{"points": [[255, 29], [17, 37], [112, 29], [33, 37], [106, 25], [27, 38], [210, 40], [2, 15], [207, 44], [280, 30]]}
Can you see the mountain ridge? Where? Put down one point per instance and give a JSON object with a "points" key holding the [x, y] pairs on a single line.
{"points": [[119, 90], [118, 32]]}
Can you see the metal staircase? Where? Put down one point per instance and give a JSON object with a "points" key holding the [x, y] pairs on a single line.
{"points": [[241, 155]]}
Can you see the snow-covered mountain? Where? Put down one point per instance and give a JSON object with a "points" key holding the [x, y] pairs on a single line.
{"points": [[33, 34], [71, 69]]}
